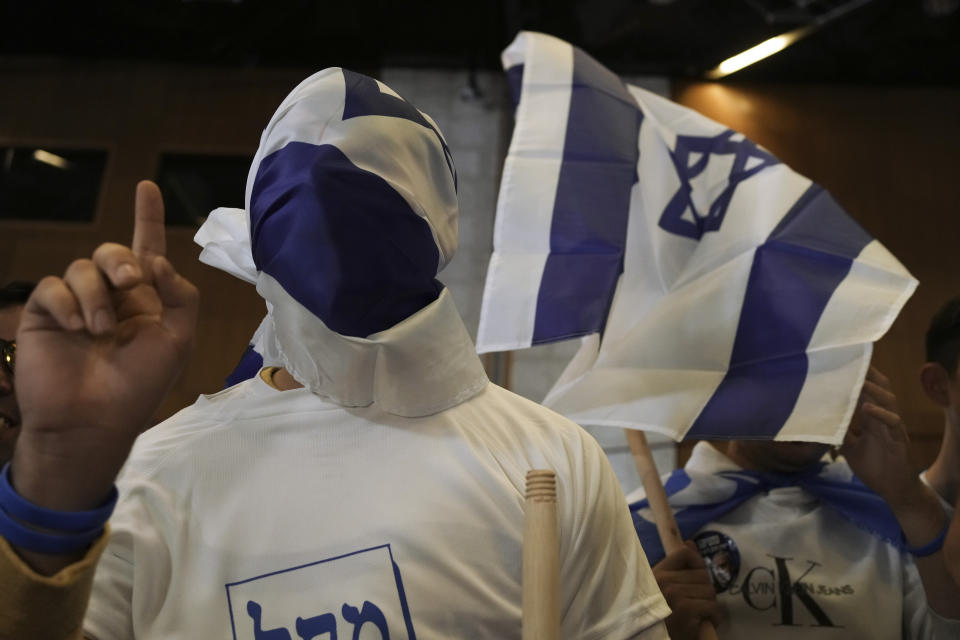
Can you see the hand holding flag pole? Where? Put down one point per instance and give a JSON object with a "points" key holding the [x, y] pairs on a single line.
{"points": [[662, 513]]}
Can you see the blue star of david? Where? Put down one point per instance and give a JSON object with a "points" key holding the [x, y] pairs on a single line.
{"points": [[743, 152]]}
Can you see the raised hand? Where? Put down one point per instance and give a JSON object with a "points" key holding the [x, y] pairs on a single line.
{"points": [[97, 350], [877, 445]]}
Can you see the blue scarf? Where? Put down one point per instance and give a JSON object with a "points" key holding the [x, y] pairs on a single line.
{"points": [[850, 498]]}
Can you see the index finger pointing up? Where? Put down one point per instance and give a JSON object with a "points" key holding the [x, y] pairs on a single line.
{"points": [[149, 233]]}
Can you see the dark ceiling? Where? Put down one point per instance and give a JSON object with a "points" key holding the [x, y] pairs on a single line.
{"points": [[873, 42]]}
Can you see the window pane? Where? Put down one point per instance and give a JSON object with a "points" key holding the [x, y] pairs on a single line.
{"points": [[41, 184], [193, 185]]}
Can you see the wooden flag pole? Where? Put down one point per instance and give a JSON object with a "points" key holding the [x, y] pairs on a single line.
{"points": [[541, 558], [667, 528]]}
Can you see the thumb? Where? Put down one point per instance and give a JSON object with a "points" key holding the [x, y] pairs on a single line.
{"points": [[683, 558], [180, 300]]}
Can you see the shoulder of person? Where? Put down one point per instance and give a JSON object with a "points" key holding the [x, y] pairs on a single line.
{"points": [[519, 417], [208, 413]]}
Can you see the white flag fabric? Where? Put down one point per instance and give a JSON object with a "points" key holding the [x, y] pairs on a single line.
{"points": [[719, 294]]}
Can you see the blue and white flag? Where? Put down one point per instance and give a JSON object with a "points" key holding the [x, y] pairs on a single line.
{"points": [[351, 211], [718, 293]]}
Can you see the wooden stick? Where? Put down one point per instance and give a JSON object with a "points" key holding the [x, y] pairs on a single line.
{"points": [[667, 527], [541, 566]]}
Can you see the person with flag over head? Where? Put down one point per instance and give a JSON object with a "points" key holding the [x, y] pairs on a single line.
{"points": [[851, 548], [367, 482]]}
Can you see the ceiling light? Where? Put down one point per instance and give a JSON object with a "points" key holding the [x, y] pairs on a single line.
{"points": [[52, 159], [756, 53], [778, 43]]}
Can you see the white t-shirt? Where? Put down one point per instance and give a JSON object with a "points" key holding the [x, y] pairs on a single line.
{"points": [[259, 514], [793, 568]]}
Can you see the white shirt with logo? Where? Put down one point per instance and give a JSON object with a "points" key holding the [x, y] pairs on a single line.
{"points": [[802, 571], [257, 514]]}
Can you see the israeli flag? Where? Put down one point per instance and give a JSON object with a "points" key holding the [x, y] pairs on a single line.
{"points": [[351, 211], [718, 293]]}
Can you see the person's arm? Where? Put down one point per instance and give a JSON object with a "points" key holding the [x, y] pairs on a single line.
{"points": [[28, 596], [876, 448], [96, 352]]}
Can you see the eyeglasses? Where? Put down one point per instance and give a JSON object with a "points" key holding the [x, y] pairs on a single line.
{"points": [[8, 354]]}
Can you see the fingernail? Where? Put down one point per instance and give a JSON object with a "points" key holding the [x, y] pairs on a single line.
{"points": [[101, 321], [126, 272]]}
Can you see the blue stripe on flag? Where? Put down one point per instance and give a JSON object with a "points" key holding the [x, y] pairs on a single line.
{"points": [[589, 226], [340, 240], [793, 275]]}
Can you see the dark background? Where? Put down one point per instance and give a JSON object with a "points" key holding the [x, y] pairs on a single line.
{"points": [[861, 41]]}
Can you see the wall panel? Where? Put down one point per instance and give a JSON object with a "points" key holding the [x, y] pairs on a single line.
{"points": [[137, 112]]}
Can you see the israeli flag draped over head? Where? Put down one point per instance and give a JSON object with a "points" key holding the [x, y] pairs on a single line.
{"points": [[718, 293], [351, 211]]}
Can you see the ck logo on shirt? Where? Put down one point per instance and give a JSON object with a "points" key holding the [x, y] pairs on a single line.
{"points": [[789, 589], [356, 595]]}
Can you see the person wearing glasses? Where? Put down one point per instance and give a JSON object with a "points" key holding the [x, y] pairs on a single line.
{"points": [[13, 296]]}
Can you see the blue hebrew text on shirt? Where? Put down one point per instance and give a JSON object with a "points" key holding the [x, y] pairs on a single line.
{"points": [[370, 613], [317, 626], [691, 157], [255, 611], [324, 624], [354, 595]]}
